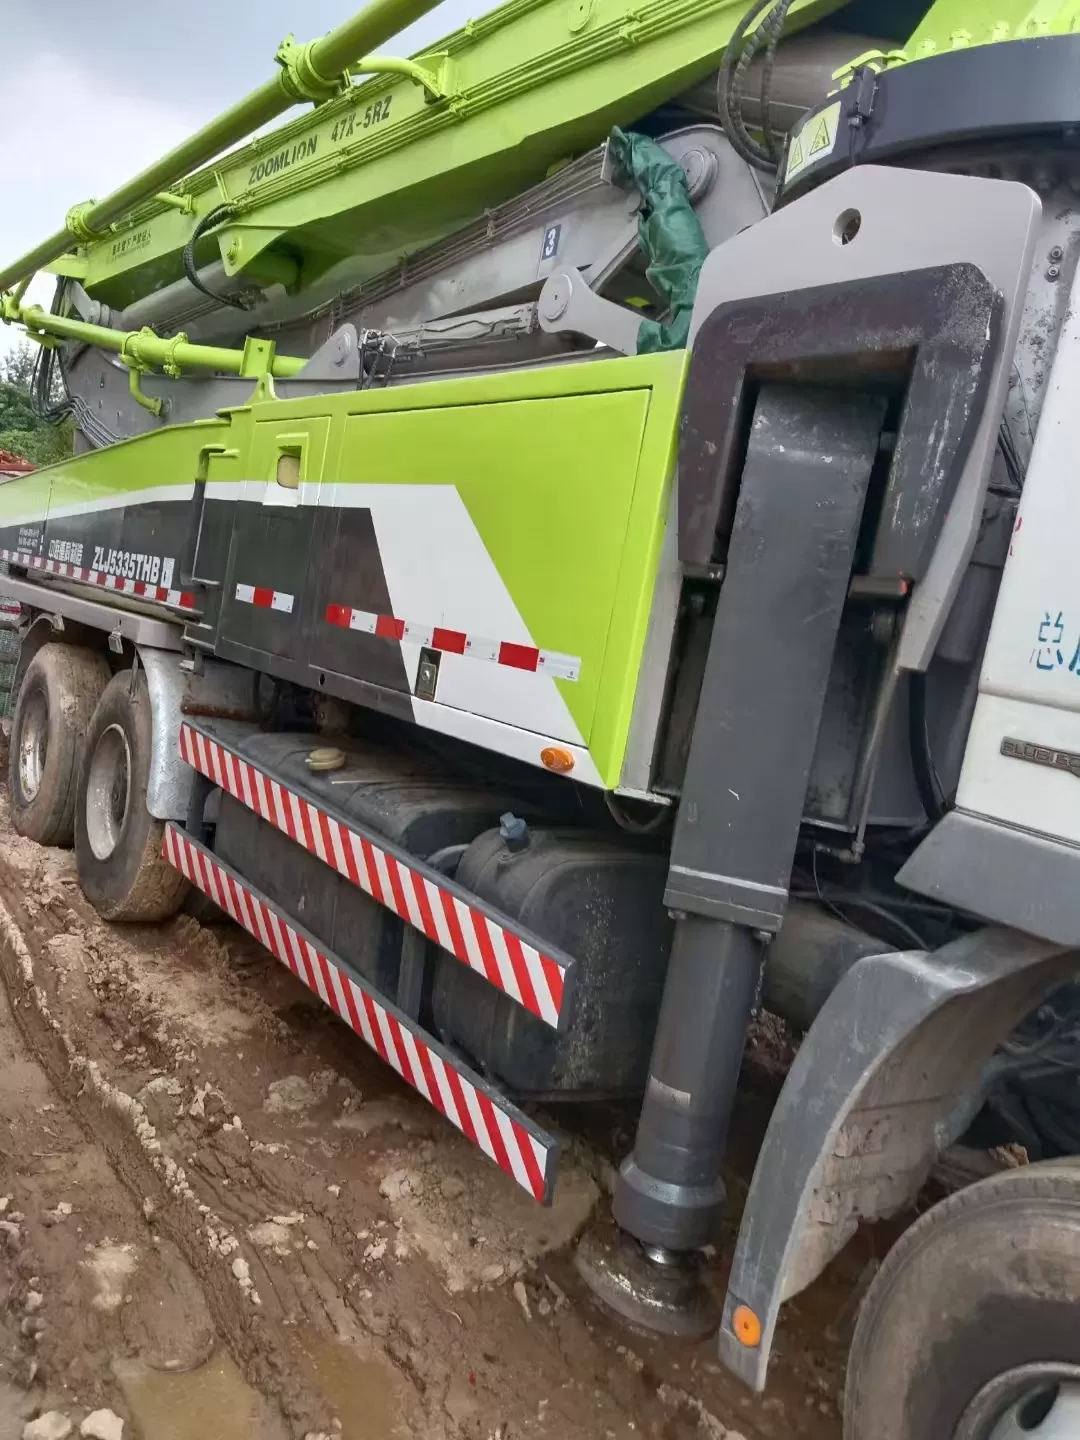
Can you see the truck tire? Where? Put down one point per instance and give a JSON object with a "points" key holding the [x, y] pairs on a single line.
{"points": [[59, 691], [117, 840], [970, 1330]]}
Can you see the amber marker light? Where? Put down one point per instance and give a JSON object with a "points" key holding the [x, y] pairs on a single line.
{"points": [[554, 757], [746, 1327]]}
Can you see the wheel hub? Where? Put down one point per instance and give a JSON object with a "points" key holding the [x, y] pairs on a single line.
{"points": [[1041, 1401], [108, 791], [33, 743], [662, 1291]]}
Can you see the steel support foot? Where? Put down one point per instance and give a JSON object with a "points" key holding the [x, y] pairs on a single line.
{"points": [[648, 1287]]}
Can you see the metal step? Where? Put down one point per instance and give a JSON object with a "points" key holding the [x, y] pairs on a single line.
{"points": [[505, 1135], [533, 973]]}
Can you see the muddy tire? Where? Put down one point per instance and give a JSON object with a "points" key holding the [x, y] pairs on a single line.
{"points": [[970, 1331], [57, 698], [117, 840]]}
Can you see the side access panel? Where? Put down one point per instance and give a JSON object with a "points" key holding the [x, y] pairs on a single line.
{"points": [[477, 555]]}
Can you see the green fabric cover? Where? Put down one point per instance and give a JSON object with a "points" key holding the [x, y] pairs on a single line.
{"points": [[669, 234]]}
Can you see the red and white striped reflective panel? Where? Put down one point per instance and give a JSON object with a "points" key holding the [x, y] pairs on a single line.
{"points": [[179, 599], [509, 961], [457, 642], [265, 598], [498, 1128]]}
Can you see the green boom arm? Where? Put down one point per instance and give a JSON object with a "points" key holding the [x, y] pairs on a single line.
{"points": [[307, 72]]}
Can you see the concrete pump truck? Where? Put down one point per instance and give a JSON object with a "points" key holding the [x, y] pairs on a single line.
{"points": [[570, 540]]}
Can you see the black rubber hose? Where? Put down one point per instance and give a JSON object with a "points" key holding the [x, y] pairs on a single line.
{"points": [[773, 143], [738, 56], [922, 760], [214, 217], [726, 92]]}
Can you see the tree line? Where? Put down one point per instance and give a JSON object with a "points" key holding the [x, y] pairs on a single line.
{"points": [[21, 431]]}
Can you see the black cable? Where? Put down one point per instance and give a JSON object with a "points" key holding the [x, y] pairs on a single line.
{"points": [[772, 141], [739, 54], [49, 397], [855, 901], [735, 131], [214, 217], [922, 760], [629, 824], [1011, 457]]}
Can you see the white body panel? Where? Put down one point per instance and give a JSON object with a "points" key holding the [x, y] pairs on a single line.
{"points": [[1030, 685]]}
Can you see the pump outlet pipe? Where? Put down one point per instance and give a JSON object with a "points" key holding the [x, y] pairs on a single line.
{"points": [[143, 350], [312, 72]]}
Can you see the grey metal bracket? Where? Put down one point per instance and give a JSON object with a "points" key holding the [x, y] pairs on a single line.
{"points": [[861, 225], [568, 306], [336, 362]]}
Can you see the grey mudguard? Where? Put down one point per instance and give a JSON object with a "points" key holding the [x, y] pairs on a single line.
{"points": [[864, 1109]]}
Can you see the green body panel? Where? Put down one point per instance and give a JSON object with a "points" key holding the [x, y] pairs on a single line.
{"points": [[565, 473], [951, 24], [960, 24], [384, 170], [163, 460]]}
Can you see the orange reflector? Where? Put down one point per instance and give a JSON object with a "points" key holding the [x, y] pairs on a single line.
{"points": [[747, 1327], [554, 757]]}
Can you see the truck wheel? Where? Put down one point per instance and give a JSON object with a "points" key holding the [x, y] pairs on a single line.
{"points": [[59, 691], [117, 840], [970, 1331]]}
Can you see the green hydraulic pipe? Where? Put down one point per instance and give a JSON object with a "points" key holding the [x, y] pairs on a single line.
{"points": [[314, 72], [142, 349]]}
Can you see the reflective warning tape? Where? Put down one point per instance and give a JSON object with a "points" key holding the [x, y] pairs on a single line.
{"points": [[179, 599], [457, 642], [265, 598], [508, 960], [485, 1117]]}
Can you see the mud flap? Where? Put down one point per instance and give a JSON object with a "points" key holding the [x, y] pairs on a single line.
{"points": [[864, 1110]]}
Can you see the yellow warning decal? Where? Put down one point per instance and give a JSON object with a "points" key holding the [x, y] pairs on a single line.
{"points": [[813, 142]]}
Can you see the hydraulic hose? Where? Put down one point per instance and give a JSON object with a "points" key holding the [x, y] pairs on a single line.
{"points": [[214, 217], [737, 58]]}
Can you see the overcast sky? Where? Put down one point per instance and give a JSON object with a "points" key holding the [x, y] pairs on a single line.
{"points": [[92, 90]]}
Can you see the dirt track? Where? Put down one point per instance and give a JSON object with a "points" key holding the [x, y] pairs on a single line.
{"points": [[222, 1216]]}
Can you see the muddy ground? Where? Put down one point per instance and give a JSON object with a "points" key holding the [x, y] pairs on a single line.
{"points": [[221, 1216]]}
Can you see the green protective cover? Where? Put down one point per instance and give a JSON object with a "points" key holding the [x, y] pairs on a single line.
{"points": [[669, 233]]}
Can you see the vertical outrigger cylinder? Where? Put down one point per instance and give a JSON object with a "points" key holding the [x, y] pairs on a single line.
{"points": [[313, 72]]}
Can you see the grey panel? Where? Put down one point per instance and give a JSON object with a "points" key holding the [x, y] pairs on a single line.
{"points": [[858, 1126], [57, 600], [1036, 880], [350, 574], [909, 220], [271, 550], [804, 485]]}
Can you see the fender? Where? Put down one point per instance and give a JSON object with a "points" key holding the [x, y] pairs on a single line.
{"points": [[178, 689], [865, 1108]]}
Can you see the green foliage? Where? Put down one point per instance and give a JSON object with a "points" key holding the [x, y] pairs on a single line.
{"points": [[21, 431]]}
